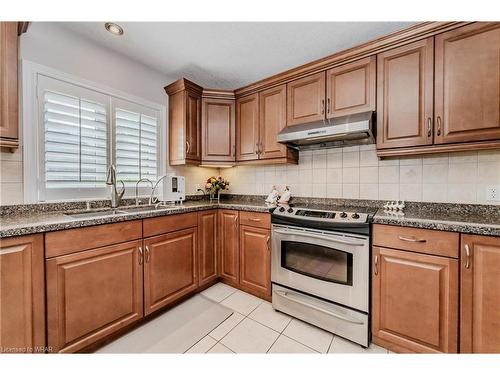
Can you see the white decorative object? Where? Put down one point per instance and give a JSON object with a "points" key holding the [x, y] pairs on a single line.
{"points": [[285, 197], [273, 196], [394, 206]]}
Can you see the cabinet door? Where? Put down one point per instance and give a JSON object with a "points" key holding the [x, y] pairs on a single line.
{"points": [[169, 268], [351, 88], [247, 128], [207, 246], [306, 99], [255, 260], [468, 84], [218, 130], [92, 294], [480, 294], [272, 108], [414, 301], [229, 246], [405, 87], [8, 80], [193, 126], [22, 297]]}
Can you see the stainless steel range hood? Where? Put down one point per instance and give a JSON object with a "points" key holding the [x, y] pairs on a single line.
{"points": [[337, 132]]}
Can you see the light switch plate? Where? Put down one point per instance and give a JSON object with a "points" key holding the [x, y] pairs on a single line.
{"points": [[493, 193]]}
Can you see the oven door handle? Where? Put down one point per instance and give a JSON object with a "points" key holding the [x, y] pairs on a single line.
{"points": [[289, 296], [305, 234]]}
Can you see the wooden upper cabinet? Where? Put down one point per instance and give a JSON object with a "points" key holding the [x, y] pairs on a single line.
{"points": [[468, 84], [272, 112], [218, 130], [351, 88], [207, 247], [255, 260], [170, 268], [480, 294], [306, 99], [405, 95], [414, 301], [22, 296], [92, 294], [229, 246], [247, 127], [184, 122], [8, 84]]}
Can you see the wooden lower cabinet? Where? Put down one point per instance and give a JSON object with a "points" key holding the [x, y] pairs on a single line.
{"points": [[229, 246], [480, 294], [22, 295], [414, 301], [255, 260], [170, 268], [207, 247], [91, 294]]}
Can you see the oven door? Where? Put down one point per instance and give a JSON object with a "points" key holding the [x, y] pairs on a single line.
{"points": [[330, 265]]}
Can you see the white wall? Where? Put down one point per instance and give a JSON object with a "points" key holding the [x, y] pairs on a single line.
{"points": [[49, 44], [356, 172]]}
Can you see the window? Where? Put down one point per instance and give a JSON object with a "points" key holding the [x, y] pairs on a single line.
{"points": [[82, 131]]}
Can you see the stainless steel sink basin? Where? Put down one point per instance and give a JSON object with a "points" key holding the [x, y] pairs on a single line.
{"points": [[115, 211]]}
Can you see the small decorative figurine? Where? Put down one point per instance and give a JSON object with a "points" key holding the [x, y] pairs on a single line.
{"points": [[273, 196], [285, 197]]}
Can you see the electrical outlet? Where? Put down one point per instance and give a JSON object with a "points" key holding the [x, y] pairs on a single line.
{"points": [[197, 187], [493, 193]]}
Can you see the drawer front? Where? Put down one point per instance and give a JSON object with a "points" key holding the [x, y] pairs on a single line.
{"points": [[171, 223], [255, 219], [433, 242], [73, 240]]}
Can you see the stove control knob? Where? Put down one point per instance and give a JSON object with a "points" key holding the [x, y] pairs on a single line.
{"points": [[290, 210], [282, 209], [355, 215], [343, 215]]}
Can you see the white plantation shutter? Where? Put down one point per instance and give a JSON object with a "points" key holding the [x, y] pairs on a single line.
{"points": [[82, 131], [136, 133], [75, 142]]}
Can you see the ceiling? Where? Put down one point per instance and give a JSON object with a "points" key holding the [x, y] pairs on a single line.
{"points": [[229, 55]]}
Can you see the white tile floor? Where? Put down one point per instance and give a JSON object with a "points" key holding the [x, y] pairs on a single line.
{"points": [[255, 327]]}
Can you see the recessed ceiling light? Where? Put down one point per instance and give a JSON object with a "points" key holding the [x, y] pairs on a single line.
{"points": [[113, 28]]}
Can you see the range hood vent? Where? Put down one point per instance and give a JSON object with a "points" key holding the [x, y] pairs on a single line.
{"points": [[343, 131]]}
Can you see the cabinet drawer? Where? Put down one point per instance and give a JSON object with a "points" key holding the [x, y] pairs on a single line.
{"points": [[78, 239], [255, 219], [166, 224], [424, 241]]}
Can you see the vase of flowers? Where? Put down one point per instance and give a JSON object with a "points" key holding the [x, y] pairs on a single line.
{"points": [[214, 185]]}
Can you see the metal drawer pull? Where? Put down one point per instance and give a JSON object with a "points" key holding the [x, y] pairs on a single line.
{"points": [[253, 219], [188, 147], [375, 271], [331, 239], [328, 105], [429, 126], [317, 308], [267, 243], [323, 106], [140, 255], [439, 125], [147, 254], [412, 239], [467, 256]]}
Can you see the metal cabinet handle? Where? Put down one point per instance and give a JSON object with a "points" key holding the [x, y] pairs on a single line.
{"points": [[236, 221], [188, 147], [375, 269], [141, 256], [322, 106], [253, 219], [328, 105], [467, 256], [318, 236], [267, 243], [412, 239], [438, 125], [147, 254], [429, 126]]}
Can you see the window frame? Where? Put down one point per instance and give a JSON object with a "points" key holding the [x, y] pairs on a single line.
{"points": [[32, 123]]}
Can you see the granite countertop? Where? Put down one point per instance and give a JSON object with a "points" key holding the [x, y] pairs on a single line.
{"points": [[472, 219], [27, 221], [465, 218]]}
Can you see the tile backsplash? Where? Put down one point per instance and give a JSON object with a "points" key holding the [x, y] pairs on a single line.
{"points": [[356, 172]]}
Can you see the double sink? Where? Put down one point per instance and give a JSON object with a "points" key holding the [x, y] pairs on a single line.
{"points": [[84, 214]]}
